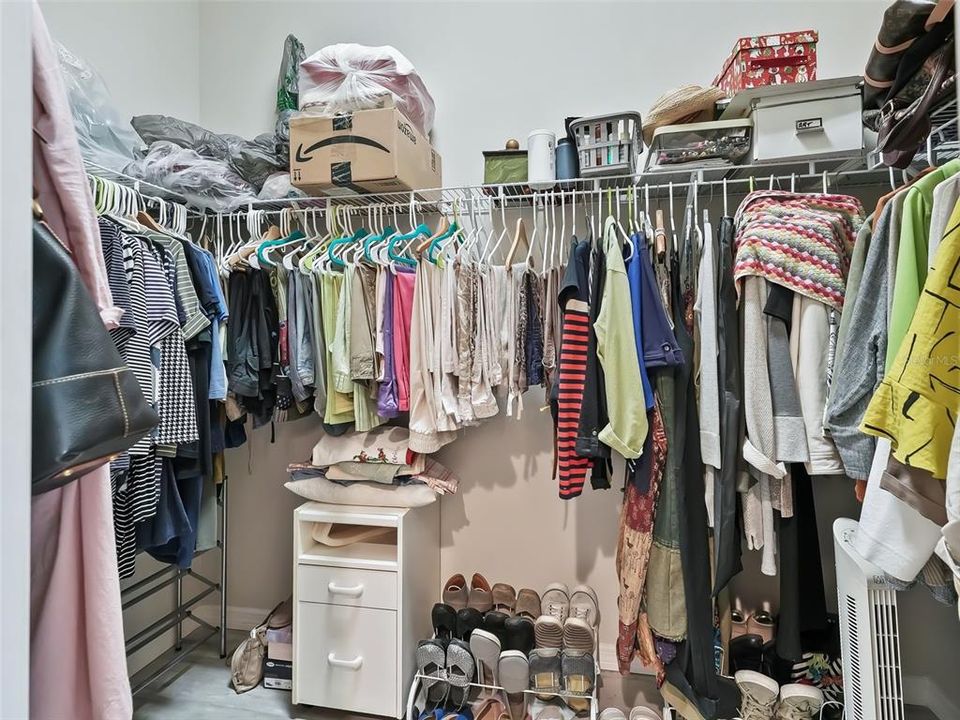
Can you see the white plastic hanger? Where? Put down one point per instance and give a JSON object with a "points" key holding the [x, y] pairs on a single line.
{"points": [[503, 232], [534, 236], [563, 228]]}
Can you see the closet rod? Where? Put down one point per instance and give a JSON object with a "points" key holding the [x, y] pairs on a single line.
{"points": [[463, 196]]}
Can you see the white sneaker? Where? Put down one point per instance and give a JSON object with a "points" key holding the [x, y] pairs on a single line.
{"points": [[644, 713], [584, 605], [759, 695], [612, 714], [555, 600], [799, 702]]}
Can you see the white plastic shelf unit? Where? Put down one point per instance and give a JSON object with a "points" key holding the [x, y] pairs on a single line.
{"points": [[360, 609]]}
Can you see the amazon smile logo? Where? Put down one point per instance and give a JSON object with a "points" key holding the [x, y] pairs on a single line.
{"points": [[305, 154]]}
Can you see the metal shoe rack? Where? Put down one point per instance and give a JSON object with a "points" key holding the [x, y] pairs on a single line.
{"points": [[200, 587], [191, 586], [485, 691]]}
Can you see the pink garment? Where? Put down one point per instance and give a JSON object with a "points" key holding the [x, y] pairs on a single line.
{"points": [[58, 173], [78, 666], [403, 286]]}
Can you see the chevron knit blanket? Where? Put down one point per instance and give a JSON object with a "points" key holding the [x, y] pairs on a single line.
{"points": [[801, 241]]}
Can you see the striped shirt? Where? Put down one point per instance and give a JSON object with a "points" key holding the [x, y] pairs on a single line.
{"points": [[572, 469]]}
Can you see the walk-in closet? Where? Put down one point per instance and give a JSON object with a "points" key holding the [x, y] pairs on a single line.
{"points": [[462, 360]]}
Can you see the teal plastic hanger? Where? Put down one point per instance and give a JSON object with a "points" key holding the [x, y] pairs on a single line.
{"points": [[435, 243], [373, 239], [346, 240], [420, 231], [261, 250]]}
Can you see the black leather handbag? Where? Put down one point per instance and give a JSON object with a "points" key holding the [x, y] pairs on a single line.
{"points": [[903, 130], [87, 404]]}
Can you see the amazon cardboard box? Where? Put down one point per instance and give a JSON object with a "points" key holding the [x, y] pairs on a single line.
{"points": [[366, 151]]}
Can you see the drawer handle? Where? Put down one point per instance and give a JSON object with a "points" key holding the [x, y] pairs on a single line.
{"points": [[349, 664], [355, 591]]}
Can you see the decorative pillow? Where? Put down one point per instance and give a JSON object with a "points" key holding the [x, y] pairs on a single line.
{"points": [[320, 489]]}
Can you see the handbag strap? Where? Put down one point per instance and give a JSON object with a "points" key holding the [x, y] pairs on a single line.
{"points": [[939, 12]]}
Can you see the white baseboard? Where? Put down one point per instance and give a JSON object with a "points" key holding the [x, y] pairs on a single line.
{"points": [[921, 690], [607, 658], [238, 618]]}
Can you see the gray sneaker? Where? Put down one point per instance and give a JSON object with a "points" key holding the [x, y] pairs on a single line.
{"points": [[758, 695], [545, 675], [799, 702], [579, 678]]}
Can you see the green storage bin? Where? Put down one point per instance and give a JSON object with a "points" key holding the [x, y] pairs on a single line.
{"points": [[504, 166]]}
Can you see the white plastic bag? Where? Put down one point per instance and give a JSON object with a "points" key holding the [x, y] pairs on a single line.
{"points": [[349, 77]]}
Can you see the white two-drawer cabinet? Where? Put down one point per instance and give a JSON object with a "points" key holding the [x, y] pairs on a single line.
{"points": [[360, 609]]}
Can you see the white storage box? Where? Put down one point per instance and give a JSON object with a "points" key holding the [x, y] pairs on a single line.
{"points": [[818, 119], [699, 145]]}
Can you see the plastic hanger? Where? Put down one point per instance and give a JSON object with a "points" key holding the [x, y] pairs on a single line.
{"points": [[528, 260], [623, 233], [452, 232], [265, 248], [503, 231], [342, 242], [520, 233], [415, 233]]}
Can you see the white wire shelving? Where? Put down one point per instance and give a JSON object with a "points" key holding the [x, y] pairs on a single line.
{"points": [[806, 175]]}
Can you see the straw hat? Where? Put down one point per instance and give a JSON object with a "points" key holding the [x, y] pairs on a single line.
{"points": [[689, 103]]}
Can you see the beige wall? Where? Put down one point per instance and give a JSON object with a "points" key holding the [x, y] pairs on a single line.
{"points": [[497, 70]]}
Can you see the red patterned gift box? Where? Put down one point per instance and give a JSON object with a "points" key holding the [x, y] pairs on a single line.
{"points": [[769, 60]]}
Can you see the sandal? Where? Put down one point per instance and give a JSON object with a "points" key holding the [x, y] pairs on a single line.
{"points": [[431, 665], [461, 668]]}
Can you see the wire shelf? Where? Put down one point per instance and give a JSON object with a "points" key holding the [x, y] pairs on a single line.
{"points": [[802, 175]]}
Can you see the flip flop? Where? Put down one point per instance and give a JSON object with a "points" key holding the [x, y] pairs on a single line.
{"points": [[485, 647], [431, 665], [461, 669], [515, 679]]}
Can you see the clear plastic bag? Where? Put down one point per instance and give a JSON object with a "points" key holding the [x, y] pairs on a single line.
{"points": [[105, 138], [206, 182], [254, 160], [349, 77]]}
